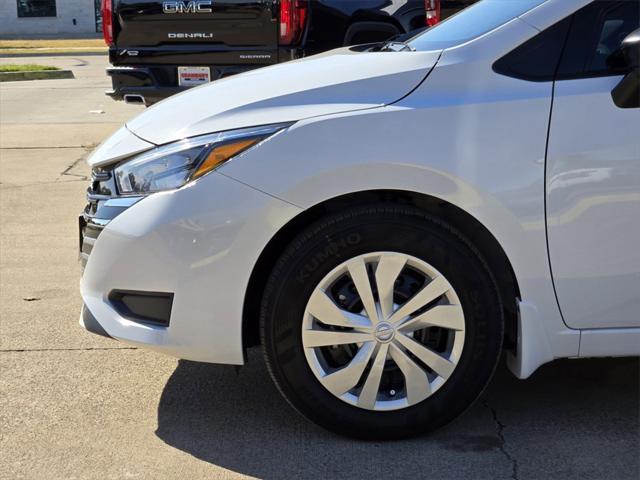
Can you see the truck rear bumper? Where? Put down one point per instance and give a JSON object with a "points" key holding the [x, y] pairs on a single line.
{"points": [[150, 84]]}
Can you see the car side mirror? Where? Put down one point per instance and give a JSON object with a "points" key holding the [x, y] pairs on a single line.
{"points": [[627, 93]]}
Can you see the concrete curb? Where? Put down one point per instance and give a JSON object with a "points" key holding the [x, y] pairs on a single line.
{"points": [[35, 75]]}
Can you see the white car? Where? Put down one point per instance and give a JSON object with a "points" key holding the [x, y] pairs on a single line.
{"points": [[386, 220]]}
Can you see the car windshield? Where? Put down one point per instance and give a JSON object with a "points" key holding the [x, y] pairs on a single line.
{"points": [[470, 23]]}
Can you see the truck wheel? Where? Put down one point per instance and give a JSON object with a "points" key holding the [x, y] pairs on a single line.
{"points": [[381, 322]]}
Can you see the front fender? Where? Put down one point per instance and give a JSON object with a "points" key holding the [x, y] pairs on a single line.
{"points": [[384, 149]]}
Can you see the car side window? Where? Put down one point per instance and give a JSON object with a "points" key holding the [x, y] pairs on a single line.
{"points": [[596, 33], [537, 59]]}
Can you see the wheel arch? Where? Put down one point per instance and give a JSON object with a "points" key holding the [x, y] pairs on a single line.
{"points": [[468, 225]]}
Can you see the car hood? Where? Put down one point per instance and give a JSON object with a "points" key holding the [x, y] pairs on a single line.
{"points": [[338, 81]]}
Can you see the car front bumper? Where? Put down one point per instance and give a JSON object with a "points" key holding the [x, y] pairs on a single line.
{"points": [[199, 245]]}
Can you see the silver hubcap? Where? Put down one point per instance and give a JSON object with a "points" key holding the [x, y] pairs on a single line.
{"points": [[383, 331]]}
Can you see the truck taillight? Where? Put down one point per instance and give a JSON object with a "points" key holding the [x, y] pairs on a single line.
{"points": [[433, 12], [107, 21], [293, 18]]}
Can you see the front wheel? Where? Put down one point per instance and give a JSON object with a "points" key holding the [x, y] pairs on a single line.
{"points": [[381, 322]]}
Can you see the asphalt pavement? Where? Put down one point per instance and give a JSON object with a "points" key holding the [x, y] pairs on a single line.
{"points": [[78, 406]]}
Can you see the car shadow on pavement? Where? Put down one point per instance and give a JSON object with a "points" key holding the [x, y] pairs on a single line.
{"points": [[572, 418]]}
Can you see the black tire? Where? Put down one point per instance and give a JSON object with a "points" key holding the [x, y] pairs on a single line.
{"points": [[356, 231]]}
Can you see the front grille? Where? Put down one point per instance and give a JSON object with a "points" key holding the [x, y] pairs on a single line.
{"points": [[103, 205], [101, 189], [89, 235]]}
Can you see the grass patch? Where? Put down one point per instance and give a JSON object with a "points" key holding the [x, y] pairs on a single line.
{"points": [[53, 43], [52, 46], [27, 67]]}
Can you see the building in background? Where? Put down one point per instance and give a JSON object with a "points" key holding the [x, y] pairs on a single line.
{"points": [[49, 18]]}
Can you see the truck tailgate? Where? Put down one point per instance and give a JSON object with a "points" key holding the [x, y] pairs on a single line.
{"points": [[155, 31]]}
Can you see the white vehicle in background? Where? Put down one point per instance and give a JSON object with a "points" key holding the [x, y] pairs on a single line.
{"points": [[386, 220]]}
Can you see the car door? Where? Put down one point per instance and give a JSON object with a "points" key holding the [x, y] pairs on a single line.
{"points": [[593, 175]]}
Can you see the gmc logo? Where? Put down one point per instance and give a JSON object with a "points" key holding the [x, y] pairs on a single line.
{"points": [[193, 6]]}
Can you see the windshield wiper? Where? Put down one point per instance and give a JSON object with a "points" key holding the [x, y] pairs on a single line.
{"points": [[396, 47]]}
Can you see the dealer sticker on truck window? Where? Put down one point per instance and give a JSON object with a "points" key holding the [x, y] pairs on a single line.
{"points": [[192, 76]]}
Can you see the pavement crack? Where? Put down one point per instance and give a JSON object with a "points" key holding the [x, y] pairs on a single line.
{"points": [[67, 171], [53, 182], [503, 442], [14, 350]]}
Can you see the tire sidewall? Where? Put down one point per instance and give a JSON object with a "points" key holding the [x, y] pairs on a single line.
{"points": [[334, 240]]}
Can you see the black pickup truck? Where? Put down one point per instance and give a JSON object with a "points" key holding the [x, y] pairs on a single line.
{"points": [[160, 47]]}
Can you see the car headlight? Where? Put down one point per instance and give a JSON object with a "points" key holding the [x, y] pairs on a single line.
{"points": [[173, 165]]}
